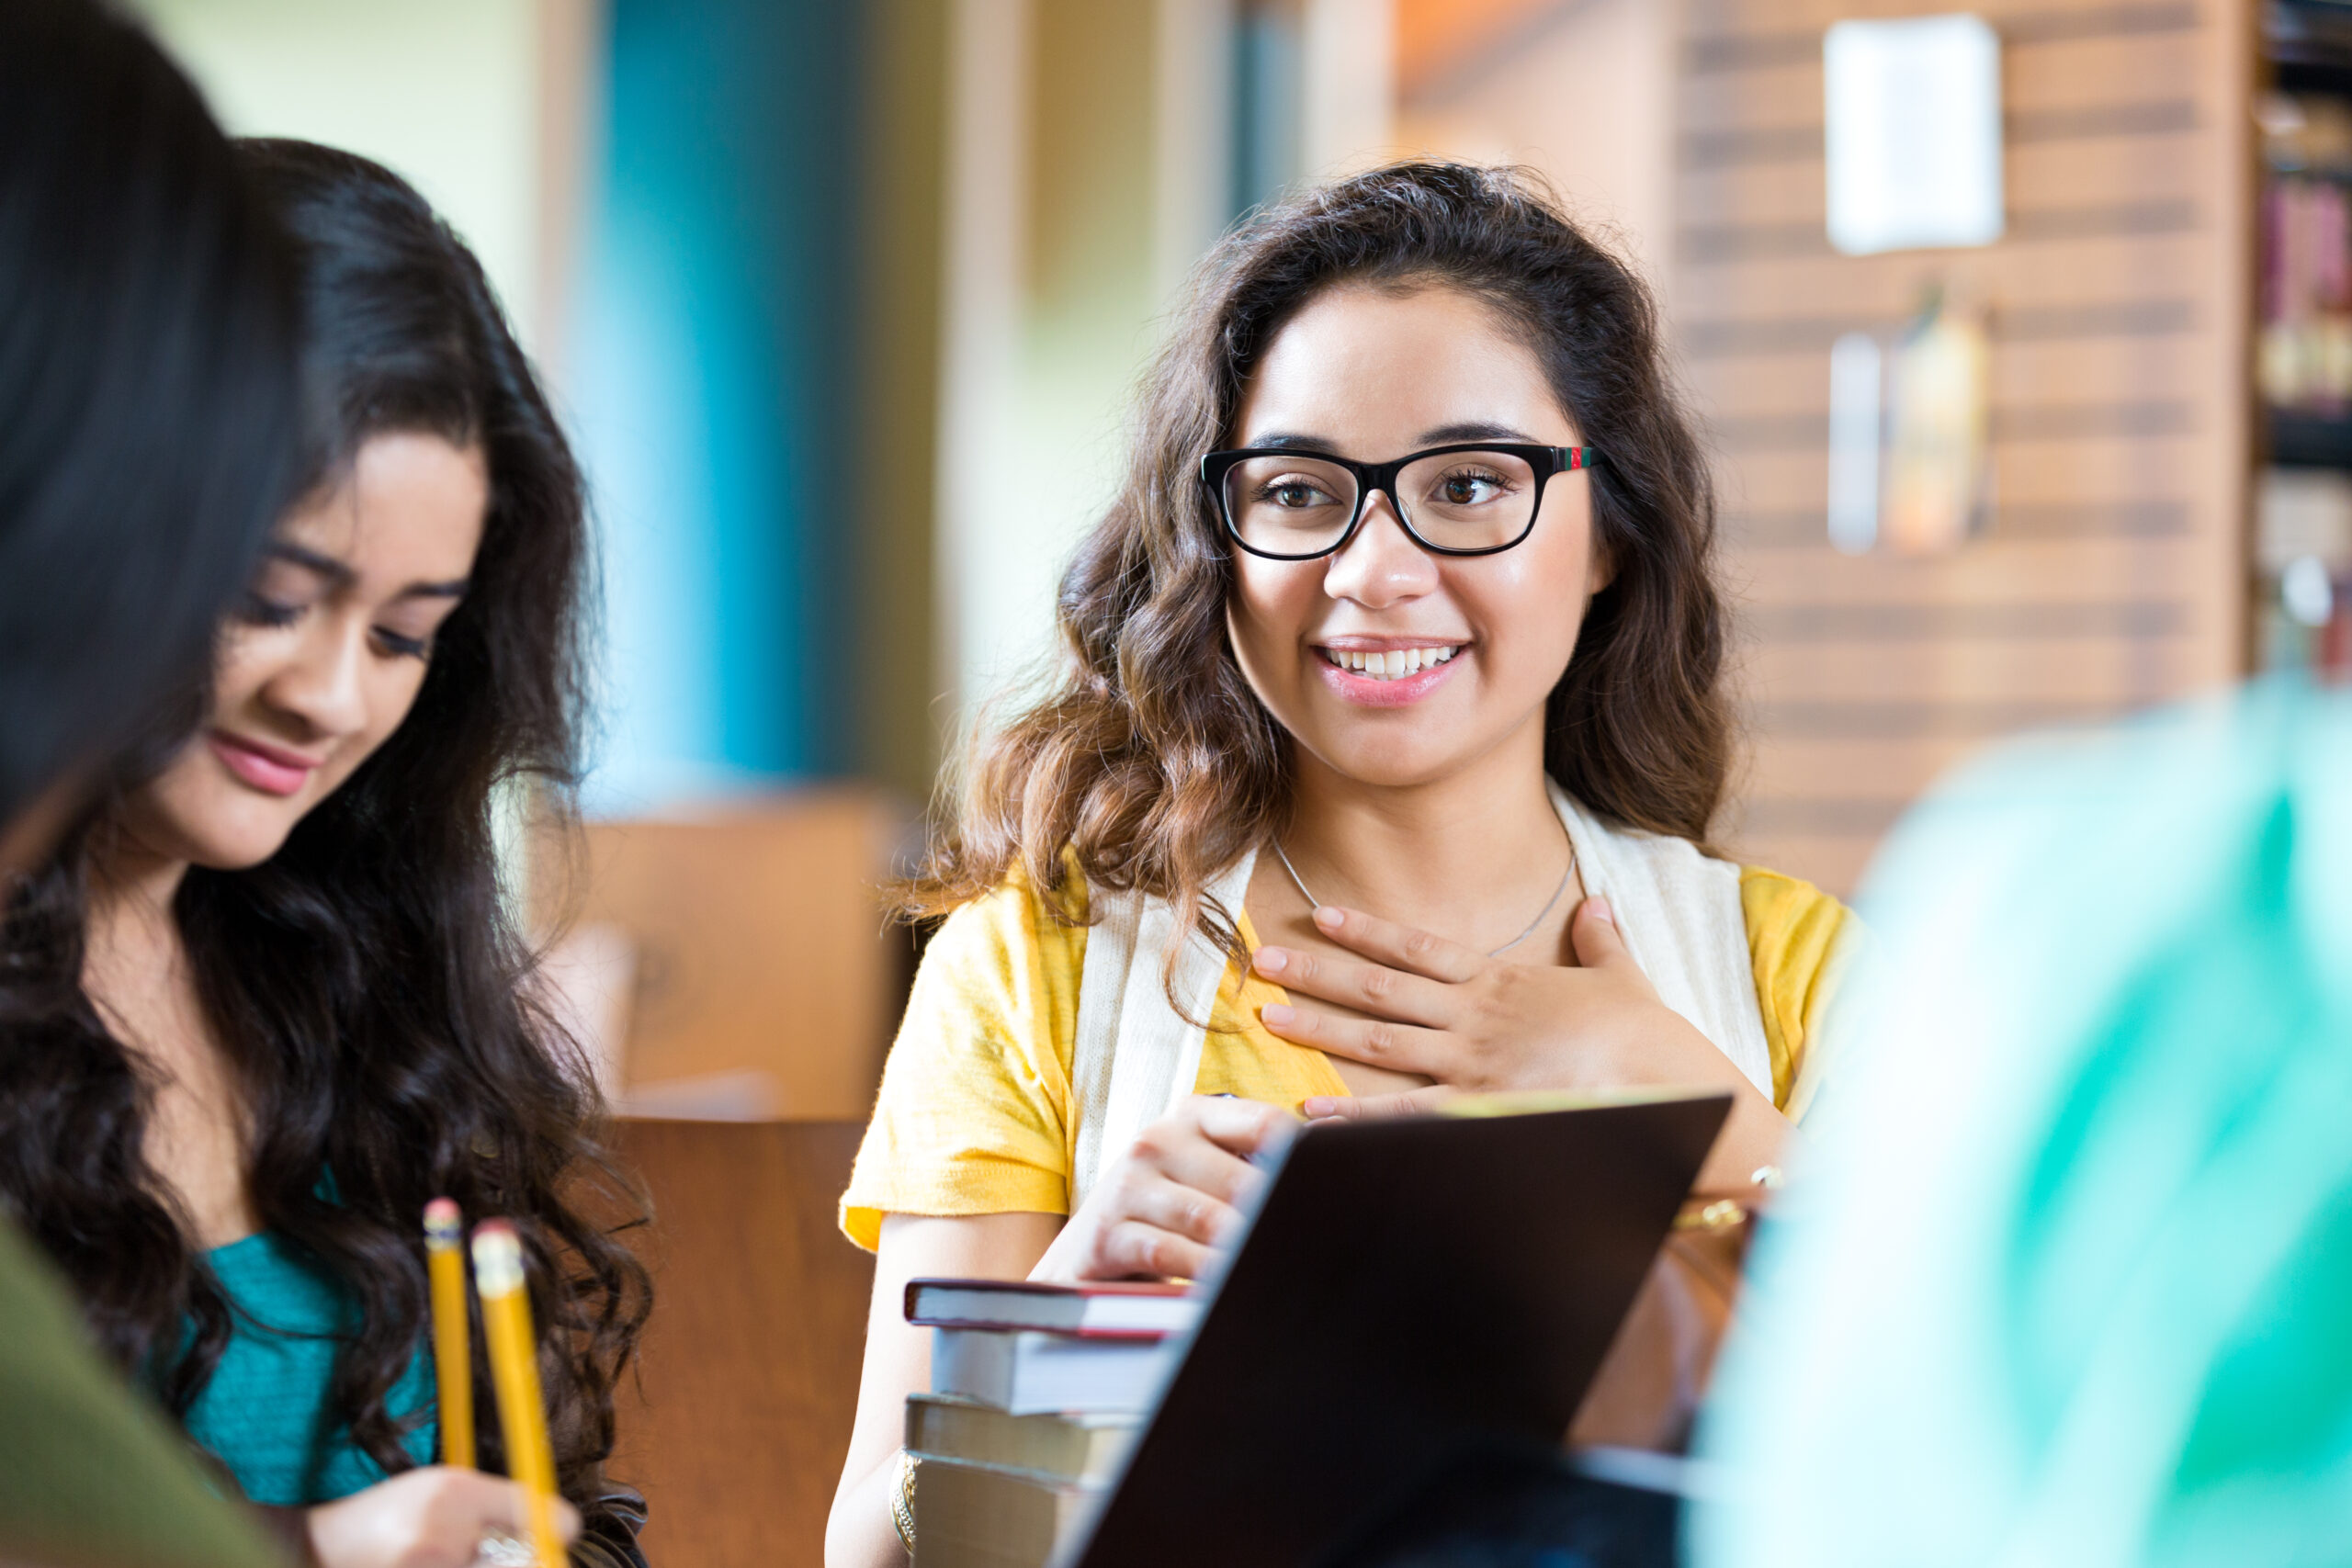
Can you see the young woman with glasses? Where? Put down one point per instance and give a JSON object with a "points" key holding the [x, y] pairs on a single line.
{"points": [[1382, 764]]}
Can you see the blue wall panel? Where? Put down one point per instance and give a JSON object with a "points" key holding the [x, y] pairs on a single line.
{"points": [[714, 354]]}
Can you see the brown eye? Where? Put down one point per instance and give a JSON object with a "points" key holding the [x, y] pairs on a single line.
{"points": [[1469, 489], [1294, 491]]}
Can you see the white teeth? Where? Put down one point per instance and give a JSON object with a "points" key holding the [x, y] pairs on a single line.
{"points": [[1393, 663]]}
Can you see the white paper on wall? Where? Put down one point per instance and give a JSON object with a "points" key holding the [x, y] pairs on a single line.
{"points": [[1912, 123]]}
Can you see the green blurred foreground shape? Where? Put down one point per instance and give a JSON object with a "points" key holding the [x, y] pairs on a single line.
{"points": [[91, 1475], [2068, 1278]]}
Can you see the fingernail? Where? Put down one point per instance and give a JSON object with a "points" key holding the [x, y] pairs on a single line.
{"points": [[1269, 960], [1330, 919], [1316, 1107], [1599, 908], [1273, 1015]]}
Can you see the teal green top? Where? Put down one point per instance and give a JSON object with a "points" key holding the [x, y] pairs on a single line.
{"points": [[267, 1414]]}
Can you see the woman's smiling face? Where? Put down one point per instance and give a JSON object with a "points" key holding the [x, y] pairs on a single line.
{"points": [[328, 657], [1372, 374]]}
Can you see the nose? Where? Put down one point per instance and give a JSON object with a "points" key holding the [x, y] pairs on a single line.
{"points": [[322, 685], [1380, 566]]}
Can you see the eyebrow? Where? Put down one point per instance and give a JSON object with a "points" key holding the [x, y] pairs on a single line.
{"points": [[1477, 429], [1443, 436], [340, 574], [333, 571], [1298, 442]]}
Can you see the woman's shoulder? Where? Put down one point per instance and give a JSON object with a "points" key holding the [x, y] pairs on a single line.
{"points": [[1781, 908], [1015, 924], [975, 1104], [1000, 978], [1798, 939]]}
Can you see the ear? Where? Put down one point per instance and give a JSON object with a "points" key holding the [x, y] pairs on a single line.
{"points": [[1602, 570], [1601, 565]]}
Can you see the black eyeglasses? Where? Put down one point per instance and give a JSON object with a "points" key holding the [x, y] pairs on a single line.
{"points": [[1472, 499]]}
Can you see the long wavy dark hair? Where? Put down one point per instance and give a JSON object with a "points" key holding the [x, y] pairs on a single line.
{"points": [[1151, 762], [377, 1002]]}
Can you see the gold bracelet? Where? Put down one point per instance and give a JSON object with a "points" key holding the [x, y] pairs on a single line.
{"points": [[902, 1502]]}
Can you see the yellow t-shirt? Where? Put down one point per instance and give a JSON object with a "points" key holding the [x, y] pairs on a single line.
{"points": [[975, 1116]]}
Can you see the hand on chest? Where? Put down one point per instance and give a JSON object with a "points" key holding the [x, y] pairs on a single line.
{"points": [[1339, 984]]}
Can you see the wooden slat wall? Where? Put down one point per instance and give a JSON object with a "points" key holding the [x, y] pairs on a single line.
{"points": [[2111, 576]]}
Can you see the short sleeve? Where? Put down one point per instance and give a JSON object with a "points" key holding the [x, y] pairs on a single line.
{"points": [[1798, 938], [974, 1113]]}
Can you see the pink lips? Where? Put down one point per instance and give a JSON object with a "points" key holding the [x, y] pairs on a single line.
{"points": [[1402, 692], [264, 768]]}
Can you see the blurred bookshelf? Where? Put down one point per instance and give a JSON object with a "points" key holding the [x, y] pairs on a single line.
{"points": [[2301, 557]]}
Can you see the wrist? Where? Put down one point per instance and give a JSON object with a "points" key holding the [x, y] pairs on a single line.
{"points": [[902, 1499], [1060, 1265]]}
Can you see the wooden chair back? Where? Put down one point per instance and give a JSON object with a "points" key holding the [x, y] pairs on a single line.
{"points": [[737, 1422], [752, 970]]}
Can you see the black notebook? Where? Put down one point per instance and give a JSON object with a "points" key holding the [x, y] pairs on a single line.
{"points": [[1409, 1293]]}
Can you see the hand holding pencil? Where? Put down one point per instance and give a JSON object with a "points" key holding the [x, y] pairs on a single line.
{"points": [[435, 1517]]}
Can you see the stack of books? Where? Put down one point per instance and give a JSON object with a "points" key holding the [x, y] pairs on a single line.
{"points": [[1037, 1392]]}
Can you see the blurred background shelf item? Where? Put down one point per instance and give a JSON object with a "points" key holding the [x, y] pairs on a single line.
{"points": [[2300, 440], [2309, 44], [2303, 559]]}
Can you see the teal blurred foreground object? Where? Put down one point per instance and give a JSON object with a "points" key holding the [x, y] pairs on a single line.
{"points": [[2068, 1277], [92, 1477]]}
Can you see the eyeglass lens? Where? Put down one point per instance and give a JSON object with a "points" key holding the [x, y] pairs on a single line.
{"points": [[1293, 505]]}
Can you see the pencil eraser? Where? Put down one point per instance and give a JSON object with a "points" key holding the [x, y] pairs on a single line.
{"points": [[498, 1259], [442, 1224]]}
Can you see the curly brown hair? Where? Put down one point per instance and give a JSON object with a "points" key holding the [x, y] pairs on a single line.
{"points": [[1151, 764]]}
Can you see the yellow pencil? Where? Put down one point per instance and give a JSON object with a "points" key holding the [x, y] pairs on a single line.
{"points": [[453, 1358], [515, 1373]]}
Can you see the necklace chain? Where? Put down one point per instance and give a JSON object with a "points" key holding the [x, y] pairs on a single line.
{"points": [[1549, 904]]}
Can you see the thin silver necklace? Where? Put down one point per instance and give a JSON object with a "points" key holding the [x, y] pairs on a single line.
{"points": [[1549, 904]]}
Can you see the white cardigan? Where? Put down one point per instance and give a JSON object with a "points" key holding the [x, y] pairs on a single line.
{"points": [[1136, 1057]]}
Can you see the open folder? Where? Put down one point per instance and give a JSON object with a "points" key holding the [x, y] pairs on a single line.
{"points": [[1408, 1293]]}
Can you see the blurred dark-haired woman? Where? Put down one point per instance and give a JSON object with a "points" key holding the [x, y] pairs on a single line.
{"points": [[148, 398], [269, 1001], [148, 392]]}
